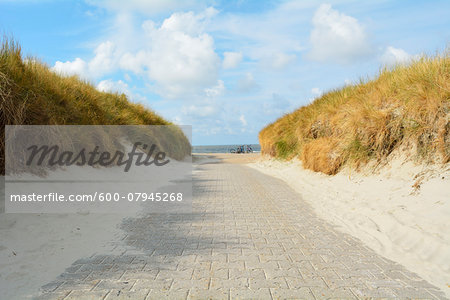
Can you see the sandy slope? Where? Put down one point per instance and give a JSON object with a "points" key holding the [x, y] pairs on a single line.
{"points": [[36, 248], [406, 224]]}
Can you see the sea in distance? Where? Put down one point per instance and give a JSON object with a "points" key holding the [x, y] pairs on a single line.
{"points": [[222, 148]]}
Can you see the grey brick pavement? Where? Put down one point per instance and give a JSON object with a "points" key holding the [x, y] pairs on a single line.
{"points": [[249, 236]]}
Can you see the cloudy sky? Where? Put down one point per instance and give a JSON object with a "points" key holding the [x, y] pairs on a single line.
{"points": [[226, 67]]}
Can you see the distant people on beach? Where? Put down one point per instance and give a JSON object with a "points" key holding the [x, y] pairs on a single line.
{"points": [[242, 149]]}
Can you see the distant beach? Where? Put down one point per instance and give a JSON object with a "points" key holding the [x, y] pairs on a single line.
{"points": [[222, 148]]}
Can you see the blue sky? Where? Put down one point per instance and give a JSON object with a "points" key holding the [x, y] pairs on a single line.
{"points": [[228, 68]]}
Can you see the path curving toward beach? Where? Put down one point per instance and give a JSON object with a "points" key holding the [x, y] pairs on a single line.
{"points": [[249, 236]]}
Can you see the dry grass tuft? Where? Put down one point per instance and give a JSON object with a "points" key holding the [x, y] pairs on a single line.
{"points": [[321, 155], [404, 106]]}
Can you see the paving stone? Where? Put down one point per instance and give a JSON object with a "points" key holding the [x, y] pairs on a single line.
{"points": [[301, 293], [209, 294], [157, 284], [124, 295], [77, 285], [228, 284], [50, 287], [124, 285], [257, 274], [250, 294], [74, 276], [86, 295], [107, 275], [279, 282], [170, 295], [339, 293], [134, 274], [237, 265], [412, 293], [183, 284], [180, 274], [277, 273], [305, 282]]}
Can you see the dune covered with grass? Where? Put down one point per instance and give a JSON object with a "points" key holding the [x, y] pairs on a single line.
{"points": [[404, 108], [32, 94]]}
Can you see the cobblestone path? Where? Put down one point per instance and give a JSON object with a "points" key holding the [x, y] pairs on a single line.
{"points": [[249, 236]]}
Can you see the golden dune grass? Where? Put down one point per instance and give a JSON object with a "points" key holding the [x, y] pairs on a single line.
{"points": [[404, 106], [31, 94]]}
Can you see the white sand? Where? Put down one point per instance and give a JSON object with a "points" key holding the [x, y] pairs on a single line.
{"points": [[36, 248], [384, 211]]}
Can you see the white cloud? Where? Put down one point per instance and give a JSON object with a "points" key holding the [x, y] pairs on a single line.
{"points": [[243, 120], [231, 59], [259, 35], [217, 90], [103, 62], [393, 56], [181, 64], [280, 60], [247, 83], [149, 7], [134, 62], [200, 110], [180, 57], [120, 87], [68, 68], [337, 37], [113, 86], [178, 120], [188, 22], [316, 92], [30, 60]]}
